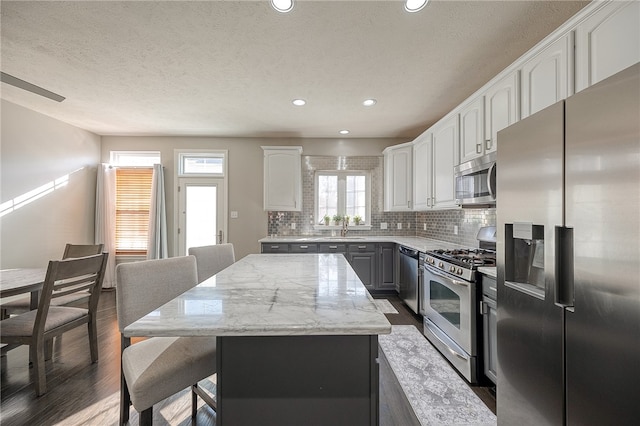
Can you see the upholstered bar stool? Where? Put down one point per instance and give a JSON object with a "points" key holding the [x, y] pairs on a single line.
{"points": [[158, 367]]}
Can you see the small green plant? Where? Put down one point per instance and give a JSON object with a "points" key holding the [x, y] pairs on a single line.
{"points": [[337, 219], [357, 220], [326, 219]]}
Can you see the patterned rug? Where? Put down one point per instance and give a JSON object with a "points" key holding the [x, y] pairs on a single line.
{"points": [[385, 306], [436, 393]]}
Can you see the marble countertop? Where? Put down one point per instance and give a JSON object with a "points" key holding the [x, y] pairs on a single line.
{"points": [[416, 243], [271, 295], [490, 271]]}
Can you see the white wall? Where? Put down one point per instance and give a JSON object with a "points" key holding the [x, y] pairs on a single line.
{"points": [[245, 174], [37, 150]]}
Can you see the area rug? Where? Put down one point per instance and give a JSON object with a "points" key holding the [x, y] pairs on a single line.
{"points": [[436, 393], [385, 306]]}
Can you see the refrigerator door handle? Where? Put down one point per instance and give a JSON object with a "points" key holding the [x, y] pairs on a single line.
{"points": [[564, 288]]}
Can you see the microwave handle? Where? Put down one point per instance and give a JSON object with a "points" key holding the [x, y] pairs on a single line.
{"points": [[490, 180]]}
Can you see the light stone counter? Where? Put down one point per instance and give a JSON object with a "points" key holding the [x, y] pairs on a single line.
{"points": [[416, 243], [278, 318], [490, 271], [271, 295]]}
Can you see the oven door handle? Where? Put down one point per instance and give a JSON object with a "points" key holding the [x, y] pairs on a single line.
{"points": [[453, 352], [441, 275]]}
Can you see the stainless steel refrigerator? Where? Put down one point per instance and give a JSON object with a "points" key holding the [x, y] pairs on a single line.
{"points": [[569, 260]]}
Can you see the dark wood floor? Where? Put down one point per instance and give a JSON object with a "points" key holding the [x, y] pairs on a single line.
{"points": [[81, 393]]}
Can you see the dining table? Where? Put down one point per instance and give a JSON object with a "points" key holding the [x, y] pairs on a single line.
{"points": [[14, 282], [297, 339]]}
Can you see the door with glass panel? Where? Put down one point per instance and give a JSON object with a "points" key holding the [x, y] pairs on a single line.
{"points": [[202, 212]]}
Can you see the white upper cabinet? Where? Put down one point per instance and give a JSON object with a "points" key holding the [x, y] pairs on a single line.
{"points": [[548, 77], [501, 108], [398, 178], [282, 178], [423, 172], [472, 130], [607, 42], [445, 157]]}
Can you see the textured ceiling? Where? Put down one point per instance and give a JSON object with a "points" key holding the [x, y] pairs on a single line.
{"points": [[231, 68]]}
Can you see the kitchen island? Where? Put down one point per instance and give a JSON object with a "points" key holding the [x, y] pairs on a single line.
{"points": [[297, 339]]}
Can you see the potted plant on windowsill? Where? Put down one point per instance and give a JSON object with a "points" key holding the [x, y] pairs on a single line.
{"points": [[337, 219], [357, 220], [326, 219]]}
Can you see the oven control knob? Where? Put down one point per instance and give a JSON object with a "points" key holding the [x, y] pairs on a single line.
{"points": [[440, 265], [452, 269], [459, 271]]}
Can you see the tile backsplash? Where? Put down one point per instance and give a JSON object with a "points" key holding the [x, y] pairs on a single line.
{"points": [[439, 224]]}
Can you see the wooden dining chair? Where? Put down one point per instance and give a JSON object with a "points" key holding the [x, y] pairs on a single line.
{"points": [[212, 259], [35, 328], [156, 368], [22, 305]]}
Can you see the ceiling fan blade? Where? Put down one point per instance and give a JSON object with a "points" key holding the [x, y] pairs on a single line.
{"points": [[25, 85]]}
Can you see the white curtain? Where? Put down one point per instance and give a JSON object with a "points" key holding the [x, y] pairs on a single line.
{"points": [[105, 227], [157, 244]]}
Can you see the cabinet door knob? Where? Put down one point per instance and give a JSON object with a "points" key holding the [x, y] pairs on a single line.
{"points": [[479, 148], [488, 144]]}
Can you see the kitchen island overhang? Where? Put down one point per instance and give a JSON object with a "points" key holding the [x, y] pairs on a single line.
{"points": [[297, 339]]}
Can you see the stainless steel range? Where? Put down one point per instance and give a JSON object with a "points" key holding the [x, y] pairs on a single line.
{"points": [[450, 302]]}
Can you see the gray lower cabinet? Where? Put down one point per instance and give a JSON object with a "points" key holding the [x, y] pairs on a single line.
{"points": [[490, 321], [362, 258], [332, 248], [303, 248], [275, 248], [375, 263], [386, 266]]}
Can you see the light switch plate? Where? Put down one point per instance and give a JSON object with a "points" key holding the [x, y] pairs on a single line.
{"points": [[424, 226], [383, 225], [293, 226], [234, 215], [399, 225]]}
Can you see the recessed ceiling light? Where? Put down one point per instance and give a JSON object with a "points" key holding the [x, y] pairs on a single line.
{"points": [[282, 5], [414, 5], [344, 132], [369, 102], [298, 102]]}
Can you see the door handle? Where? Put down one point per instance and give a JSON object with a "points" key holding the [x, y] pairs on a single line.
{"points": [[491, 177], [452, 351], [564, 289], [220, 237]]}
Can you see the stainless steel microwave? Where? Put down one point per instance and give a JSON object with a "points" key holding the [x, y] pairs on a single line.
{"points": [[476, 182]]}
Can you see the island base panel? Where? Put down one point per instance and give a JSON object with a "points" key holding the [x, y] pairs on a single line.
{"points": [[298, 380]]}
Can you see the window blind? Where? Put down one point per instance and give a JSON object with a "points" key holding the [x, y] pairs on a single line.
{"points": [[133, 200]]}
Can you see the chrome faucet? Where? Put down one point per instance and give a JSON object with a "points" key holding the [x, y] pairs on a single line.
{"points": [[345, 228]]}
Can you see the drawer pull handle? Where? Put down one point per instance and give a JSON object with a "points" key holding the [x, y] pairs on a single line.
{"points": [[333, 247], [304, 247], [275, 247], [362, 247]]}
